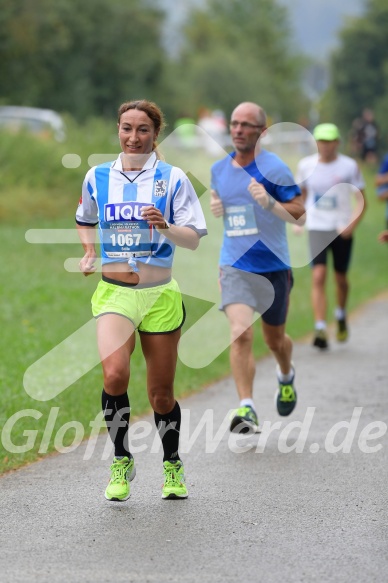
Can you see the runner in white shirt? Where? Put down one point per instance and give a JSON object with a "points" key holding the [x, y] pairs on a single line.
{"points": [[333, 190], [143, 208]]}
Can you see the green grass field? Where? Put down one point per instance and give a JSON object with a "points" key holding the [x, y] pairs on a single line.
{"points": [[44, 303]]}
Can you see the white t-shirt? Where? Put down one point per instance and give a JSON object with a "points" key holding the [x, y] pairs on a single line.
{"points": [[330, 189]]}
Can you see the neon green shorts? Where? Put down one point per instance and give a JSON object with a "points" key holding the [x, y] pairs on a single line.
{"points": [[158, 309]]}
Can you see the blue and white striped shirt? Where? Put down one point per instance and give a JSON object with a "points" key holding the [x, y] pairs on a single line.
{"points": [[113, 199]]}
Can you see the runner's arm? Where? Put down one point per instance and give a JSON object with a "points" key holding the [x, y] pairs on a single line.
{"points": [[180, 235], [216, 206], [292, 211], [382, 179], [357, 214], [87, 237]]}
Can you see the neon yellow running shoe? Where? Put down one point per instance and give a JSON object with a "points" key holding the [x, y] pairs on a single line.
{"points": [[342, 330], [122, 472], [174, 481]]}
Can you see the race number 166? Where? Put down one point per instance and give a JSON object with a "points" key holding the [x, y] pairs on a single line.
{"points": [[236, 221]]}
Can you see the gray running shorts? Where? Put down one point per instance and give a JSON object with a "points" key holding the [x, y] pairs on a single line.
{"points": [[267, 293]]}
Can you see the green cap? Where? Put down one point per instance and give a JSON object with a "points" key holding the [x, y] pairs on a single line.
{"points": [[327, 132]]}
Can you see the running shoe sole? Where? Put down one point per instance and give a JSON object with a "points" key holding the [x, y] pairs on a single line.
{"points": [[240, 425], [174, 497]]}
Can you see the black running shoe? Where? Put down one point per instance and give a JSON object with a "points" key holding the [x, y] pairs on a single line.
{"points": [[320, 340], [286, 397], [244, 420]]}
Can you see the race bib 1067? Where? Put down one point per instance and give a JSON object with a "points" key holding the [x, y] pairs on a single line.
{"points": [[124, 232]]}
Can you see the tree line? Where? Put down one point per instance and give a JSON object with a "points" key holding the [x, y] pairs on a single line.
{"points": [[359, 70], [85, 58]]}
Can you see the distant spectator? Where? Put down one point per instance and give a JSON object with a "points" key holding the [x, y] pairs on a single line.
{"points": [[215, 126], [356, 137], [364, 137], [369, 137]]}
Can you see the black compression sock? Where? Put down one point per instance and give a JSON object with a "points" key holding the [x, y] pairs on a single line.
{"points": [[169, 427], [116, 414]]}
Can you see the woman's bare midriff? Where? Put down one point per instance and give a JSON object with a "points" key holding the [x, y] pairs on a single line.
{"points": [[121, 271]]}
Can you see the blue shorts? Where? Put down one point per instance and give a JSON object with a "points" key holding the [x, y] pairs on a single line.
{"points": [[267, 293]]}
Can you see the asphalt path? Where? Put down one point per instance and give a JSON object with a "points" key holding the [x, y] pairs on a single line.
{"points": [[305, 500]]}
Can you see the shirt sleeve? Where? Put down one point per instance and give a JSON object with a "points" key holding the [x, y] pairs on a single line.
{"points": [[282, 184], [87, 212], [186, 207]]}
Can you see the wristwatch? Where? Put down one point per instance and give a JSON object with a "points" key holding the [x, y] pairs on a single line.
{"points": [[271, 203], [165, 226]]}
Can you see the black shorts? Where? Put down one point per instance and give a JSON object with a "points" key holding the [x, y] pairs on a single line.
{"points": [[267, 293], [321, 241]]}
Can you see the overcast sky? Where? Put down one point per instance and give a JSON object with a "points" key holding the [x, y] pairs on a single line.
{"points": [[315, 22]]}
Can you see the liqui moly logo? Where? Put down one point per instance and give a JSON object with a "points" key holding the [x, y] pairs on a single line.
{"points": [[125, 211]]}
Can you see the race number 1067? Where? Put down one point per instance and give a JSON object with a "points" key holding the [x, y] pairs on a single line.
{"points": [[125, 239]]}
